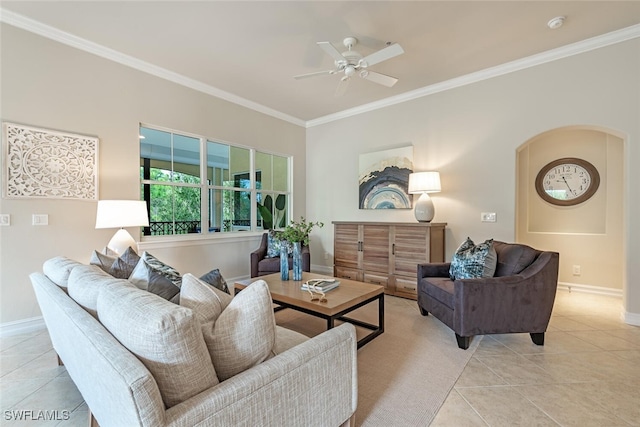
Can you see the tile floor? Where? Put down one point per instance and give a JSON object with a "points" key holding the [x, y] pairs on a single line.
{"points": [[587, 374]]}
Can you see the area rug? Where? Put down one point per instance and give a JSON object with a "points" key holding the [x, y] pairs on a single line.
{"points": [[405, 374]]}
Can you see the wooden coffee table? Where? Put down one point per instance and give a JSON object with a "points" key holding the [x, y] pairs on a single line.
{"points": [[349, 296]]}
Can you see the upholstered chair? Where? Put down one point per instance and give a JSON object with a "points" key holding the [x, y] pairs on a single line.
{"points": [[261, 265], [519, 298]]}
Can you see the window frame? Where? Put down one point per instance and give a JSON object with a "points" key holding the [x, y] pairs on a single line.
{"points": [[206, 188]]}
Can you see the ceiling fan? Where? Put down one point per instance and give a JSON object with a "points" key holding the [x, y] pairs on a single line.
{"points": [[352, 62]]}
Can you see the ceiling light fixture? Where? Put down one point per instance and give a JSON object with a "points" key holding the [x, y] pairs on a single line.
{"points": [[556, 22]]}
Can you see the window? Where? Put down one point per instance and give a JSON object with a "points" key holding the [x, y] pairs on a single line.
{"points": [[188, 181]]}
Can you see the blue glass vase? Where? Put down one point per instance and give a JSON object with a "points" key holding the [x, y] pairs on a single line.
{"points": [[297, 261], [284, 262]]}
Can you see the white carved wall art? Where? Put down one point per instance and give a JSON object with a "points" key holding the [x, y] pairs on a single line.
{"points": [[42, 163]]}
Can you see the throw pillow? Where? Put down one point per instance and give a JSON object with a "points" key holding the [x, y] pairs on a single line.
{"points": [[472, 261], [123, 266], [214, 278], [274, 244], [101, 260], [153, 275], [165, 337], [239, 331]]}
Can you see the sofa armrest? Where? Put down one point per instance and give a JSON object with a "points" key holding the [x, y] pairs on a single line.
{"points": [[438, 269], [312, 384], [520, 303]]}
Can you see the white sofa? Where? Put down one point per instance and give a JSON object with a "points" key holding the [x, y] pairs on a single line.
{"points": [[313, 383]]}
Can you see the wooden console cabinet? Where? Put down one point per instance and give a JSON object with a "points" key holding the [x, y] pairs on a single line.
{"points": [[386, 253]]}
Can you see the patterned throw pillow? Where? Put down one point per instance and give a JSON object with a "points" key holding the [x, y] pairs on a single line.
{"points": [[215, 279], [153, 275], [473, 261], [274, 244]]}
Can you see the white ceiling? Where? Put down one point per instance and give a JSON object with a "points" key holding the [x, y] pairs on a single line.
{"points": [[249, 51]]}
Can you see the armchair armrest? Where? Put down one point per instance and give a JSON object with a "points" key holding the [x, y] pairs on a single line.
{"points": [[438, 269], [258, 255], [520, 303]]}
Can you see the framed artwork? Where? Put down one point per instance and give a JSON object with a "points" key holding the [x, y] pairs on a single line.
{"points": [[384, 179], [42, 163]]}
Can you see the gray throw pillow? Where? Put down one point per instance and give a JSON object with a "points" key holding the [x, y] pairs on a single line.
{"points": [[472, 261], [151, 274], [123, 266], [215, 279]]}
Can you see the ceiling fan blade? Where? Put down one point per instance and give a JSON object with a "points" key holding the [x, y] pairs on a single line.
{"points": [[379, 78], [331, 50], [342, 86], [382, 55], [316, 73]]}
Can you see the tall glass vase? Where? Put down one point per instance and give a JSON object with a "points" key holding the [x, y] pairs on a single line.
{"points": [[284, 262], [297, 261]]}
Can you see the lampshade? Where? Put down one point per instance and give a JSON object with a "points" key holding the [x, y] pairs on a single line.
{"points": [[119, 214], [122, 213], [424, 182]]}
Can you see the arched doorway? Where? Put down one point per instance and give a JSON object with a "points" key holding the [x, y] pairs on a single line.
{"points": [[588, 235]]}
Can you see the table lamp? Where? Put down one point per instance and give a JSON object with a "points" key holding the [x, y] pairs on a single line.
{"points": [[424, 183], [120, 214]]}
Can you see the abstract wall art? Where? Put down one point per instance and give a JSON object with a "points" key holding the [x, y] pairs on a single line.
{"points": [[384, 179], [42, 163]]}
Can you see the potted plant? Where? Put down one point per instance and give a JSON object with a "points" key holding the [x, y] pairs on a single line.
{"points": [[297, 233]]}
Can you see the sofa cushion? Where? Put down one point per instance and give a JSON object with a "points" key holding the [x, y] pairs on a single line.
{"points": [[269, 265], [155, 276], [513, 258], [440, 288], [58, 269], [164, 336], [286, 339], [240, 333], [85, 282], [472, 261]]}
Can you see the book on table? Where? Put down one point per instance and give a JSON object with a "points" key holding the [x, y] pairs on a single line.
{"points": [[323, 285]]}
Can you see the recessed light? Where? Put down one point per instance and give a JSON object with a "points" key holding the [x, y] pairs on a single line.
{"points": [[556, 22]]}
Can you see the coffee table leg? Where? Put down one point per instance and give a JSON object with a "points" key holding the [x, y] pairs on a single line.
{"points": [[330, 322]]}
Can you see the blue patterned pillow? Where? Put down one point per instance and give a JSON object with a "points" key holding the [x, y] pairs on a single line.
{"points": [[473, 261], [274, 243]]}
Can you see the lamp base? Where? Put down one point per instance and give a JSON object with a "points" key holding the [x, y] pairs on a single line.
{"points": [[121, 241], [424, 210]]}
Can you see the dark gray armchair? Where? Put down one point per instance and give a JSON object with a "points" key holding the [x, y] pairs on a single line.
{"points": [[261, 265], [519, 298]]}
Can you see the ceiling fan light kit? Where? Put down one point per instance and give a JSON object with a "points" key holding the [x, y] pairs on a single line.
{"points": [[352, 62]]}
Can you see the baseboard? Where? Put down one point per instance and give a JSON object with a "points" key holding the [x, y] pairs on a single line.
{"points": [[589, 289], [631, 318], [22, 326]]}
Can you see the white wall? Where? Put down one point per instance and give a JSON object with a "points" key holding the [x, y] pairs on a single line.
{"points": [[50, 85], [471, 134]]}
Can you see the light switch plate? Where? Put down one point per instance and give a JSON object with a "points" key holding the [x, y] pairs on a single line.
{"points": [[5, 219], [40, 219], [488, 217]]}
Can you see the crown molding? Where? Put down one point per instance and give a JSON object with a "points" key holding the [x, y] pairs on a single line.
{"points": [[55, 34], [583, 46]]}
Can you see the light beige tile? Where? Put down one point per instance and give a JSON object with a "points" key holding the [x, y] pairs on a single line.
{"points": [[59, 394], [11, 362], [13, 391], [571, 367], [503, 406], [44, 366], [565, 323], [455, 411], [477, 374], [516, 369], [561, 403], [78, 418], [489, 346], [605, 341]]}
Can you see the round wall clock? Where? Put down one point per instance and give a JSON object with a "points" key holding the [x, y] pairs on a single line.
{"points": [[567, 182]]}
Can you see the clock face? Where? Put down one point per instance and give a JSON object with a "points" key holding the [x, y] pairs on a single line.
{"points": [[567, 182]]}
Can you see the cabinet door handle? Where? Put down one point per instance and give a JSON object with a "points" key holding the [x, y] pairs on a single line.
{"points": [[393, 249]]}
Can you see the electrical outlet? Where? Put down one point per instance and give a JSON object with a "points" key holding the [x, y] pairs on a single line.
{"points": [[40, 219], [576, 270], [488, 217], [5, 219]]}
